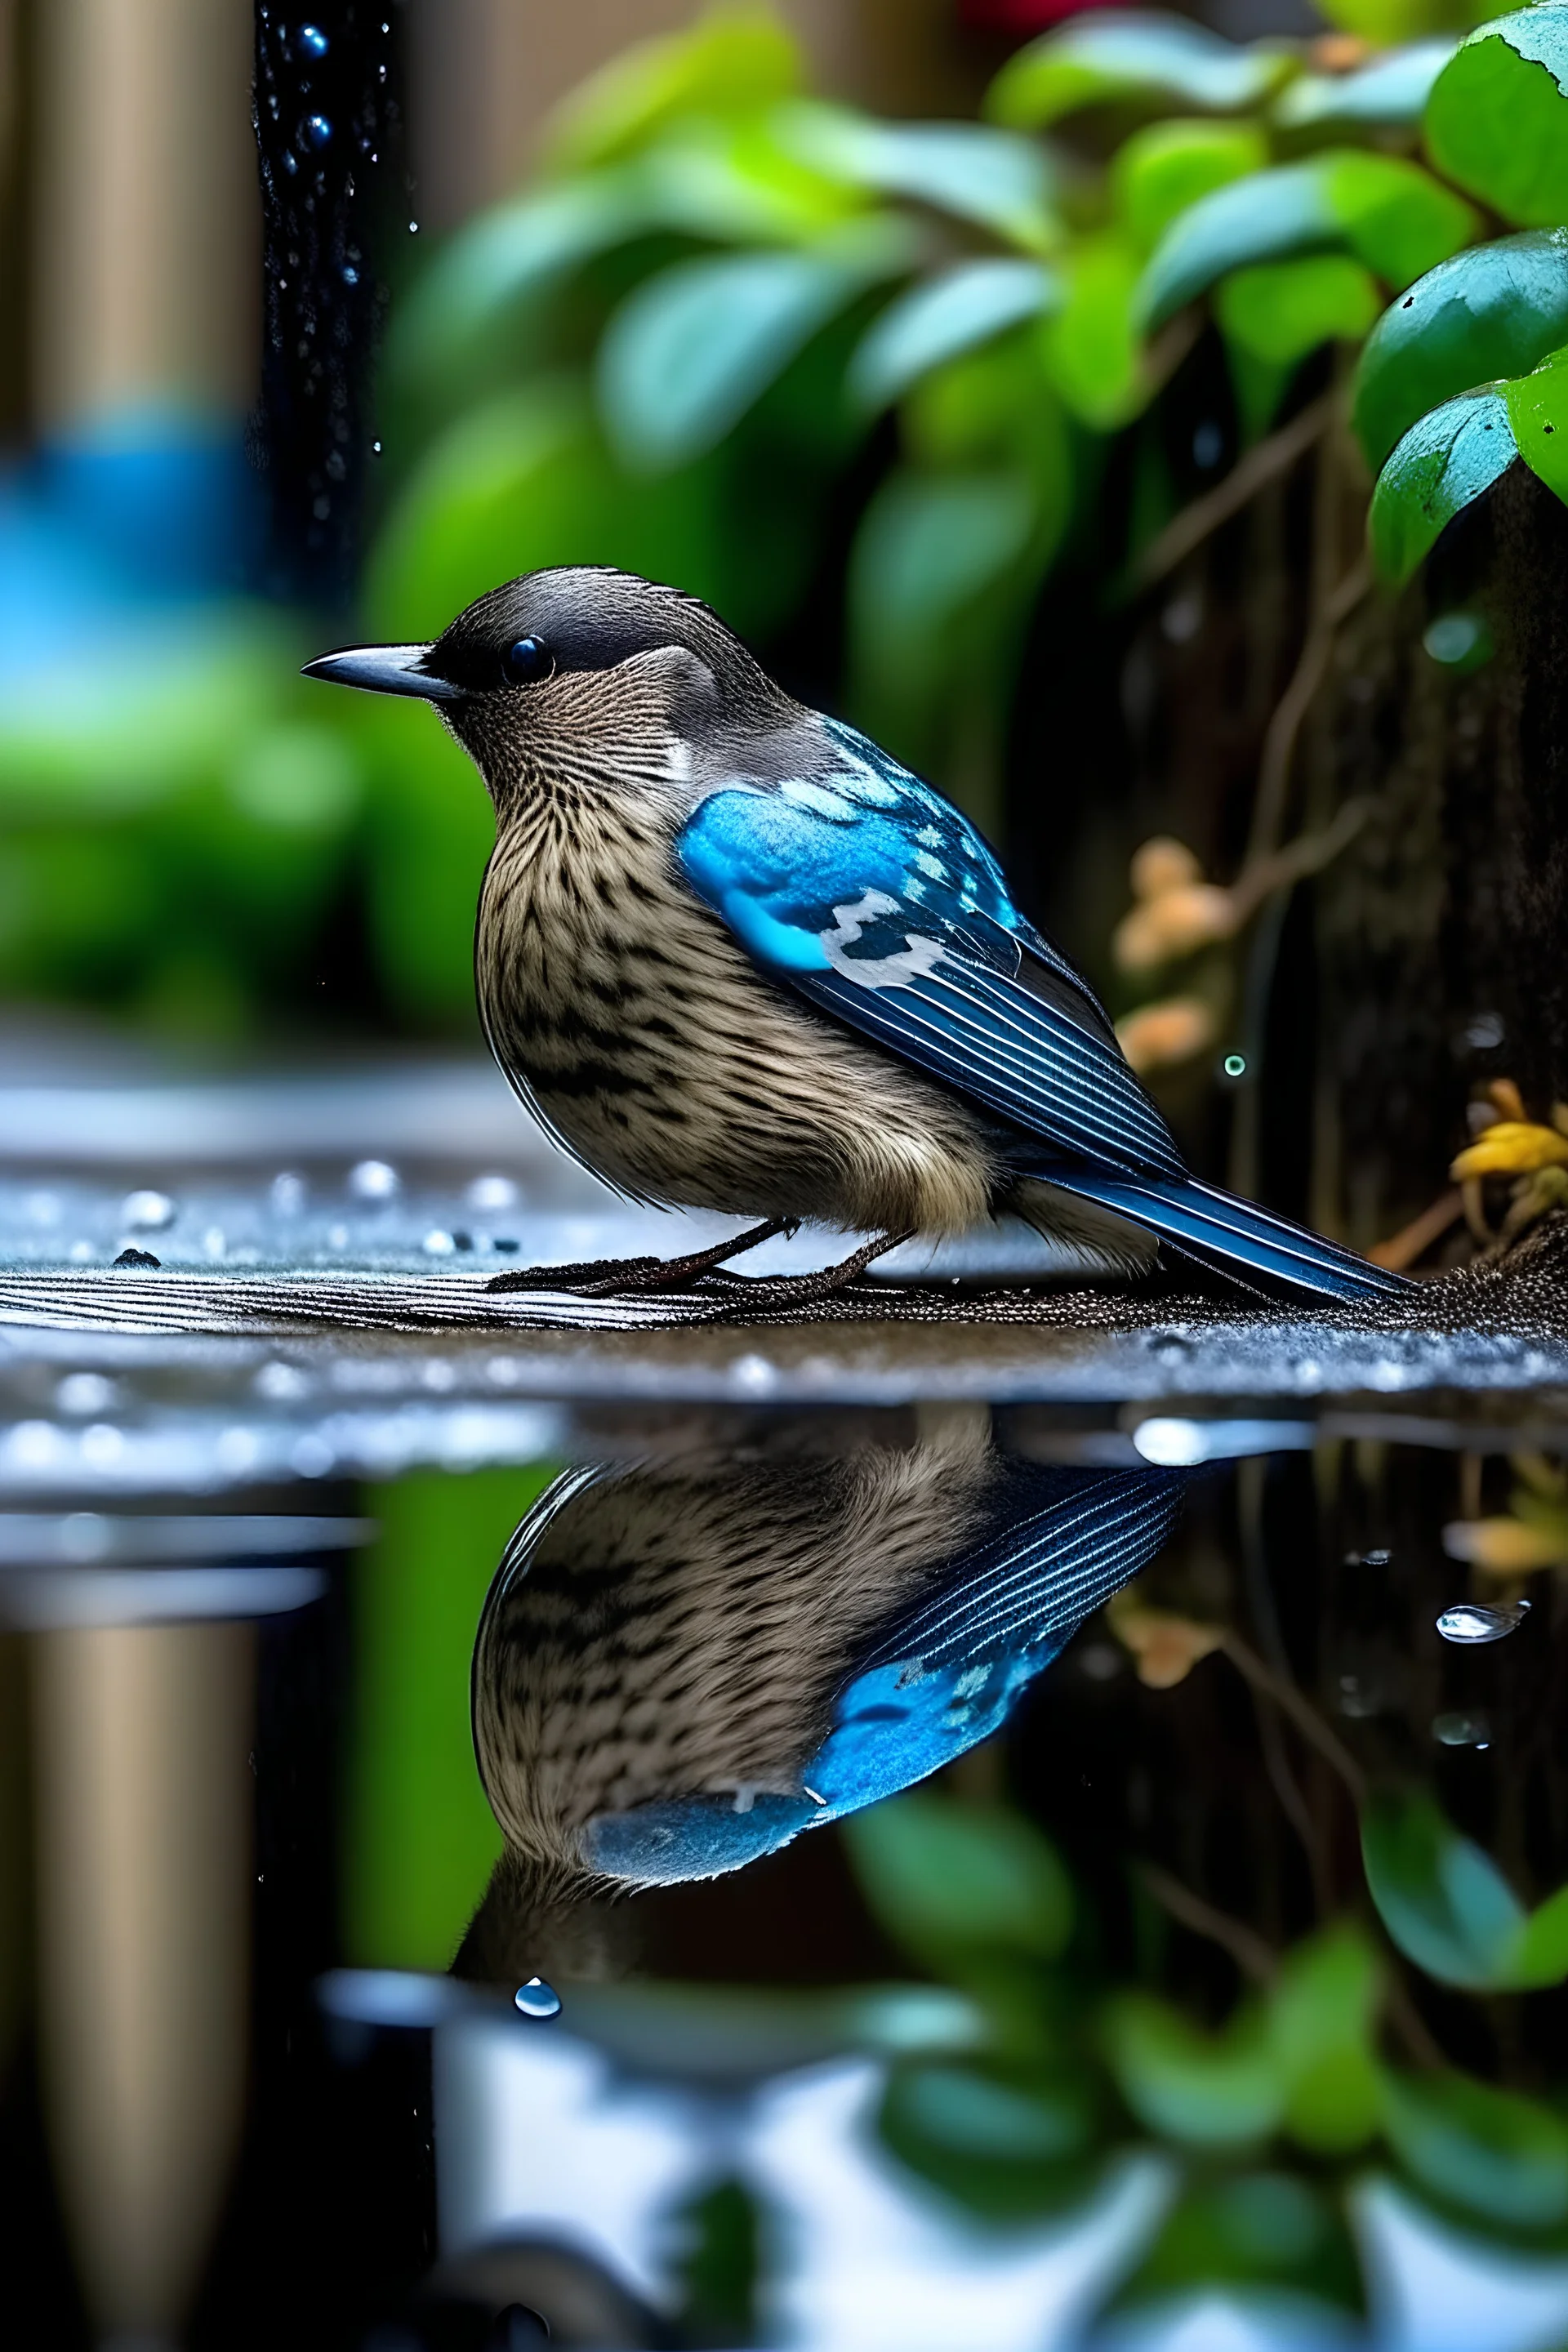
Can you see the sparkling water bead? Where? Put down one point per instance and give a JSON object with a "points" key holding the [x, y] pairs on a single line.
{"points": [[1467, 1621], [536, 1999]]}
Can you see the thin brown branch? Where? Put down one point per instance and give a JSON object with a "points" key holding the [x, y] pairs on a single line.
{"points": [[1254, 1956], [1290, 712], [1278, 869], [1303, 1714], [1402, 1249], [1187, 530]]}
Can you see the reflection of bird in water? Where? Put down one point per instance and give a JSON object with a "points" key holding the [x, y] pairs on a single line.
{"points": [[738, 958], [674, 1668]]}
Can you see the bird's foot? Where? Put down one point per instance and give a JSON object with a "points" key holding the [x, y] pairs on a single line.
{"points": [[610, 1277], [772, 1291]]}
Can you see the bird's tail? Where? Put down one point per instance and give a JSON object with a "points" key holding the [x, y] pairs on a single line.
{"points": [[1233, 1236]]}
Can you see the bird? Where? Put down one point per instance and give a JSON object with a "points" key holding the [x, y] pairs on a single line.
{"points": [[685, 1662], [734, 957]]}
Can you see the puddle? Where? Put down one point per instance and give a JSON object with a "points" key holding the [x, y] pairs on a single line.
{"points": [[1010, 1874]]}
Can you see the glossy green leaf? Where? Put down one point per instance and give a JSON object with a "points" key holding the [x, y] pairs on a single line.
{"points": [[1211, 2091], [1167, 167], [1093, 352], [1322, 2022], [1441, 466], [732, 60], [945, 1879], [689, 352], [1444, 1903], [971, 170], [1497, 121], [1391, 215], [1538, 410], [955, 311], [1387, 93], [1138, 56], [1497, 311], [1499, 2155]]}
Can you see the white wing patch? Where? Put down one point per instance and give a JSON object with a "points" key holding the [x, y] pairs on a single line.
{"points": [[917, 958]]}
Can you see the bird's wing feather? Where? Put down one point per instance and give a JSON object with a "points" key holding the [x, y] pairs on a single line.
{"points": [[874, 898]]}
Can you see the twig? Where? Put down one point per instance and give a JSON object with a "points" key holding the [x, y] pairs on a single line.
{"points": [[1279, 743], [1278, 869], [1305, 1718], [1254, 1956], [1402, 1249], [1187, 530]]}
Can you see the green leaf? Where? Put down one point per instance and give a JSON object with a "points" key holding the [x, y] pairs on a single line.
{"points": [[1388, 93], [1280, 310], [1322, 2020], [1538, 410], [1383, 22], [1144, 59], [1497, 121], [1444, 1903], [978, 174], [1540, 1956], [689, 353], [1258, 2230], [1093, 354], [1496, 310], [1497, 2154], [1388, 212], [1007, 2148], [947, 1880], [732, 60], [955, 311], [1166, 167], [1212, 2091]]}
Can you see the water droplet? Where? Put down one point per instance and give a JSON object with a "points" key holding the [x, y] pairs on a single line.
{"points": [[291, 161], [489, 1193], [313, 41], [288, 1195], [350, 274], [439, 1244], [375, 449], [1236, 1065], [1467, 1621], [147, 1212], [536, 1999], [318, 131], [374, 1180], [412, 226], [84, 1392], [134, 1257], [1461, 1730]]}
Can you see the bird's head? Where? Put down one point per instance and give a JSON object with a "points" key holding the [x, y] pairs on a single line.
{"points": [[578, 673]]}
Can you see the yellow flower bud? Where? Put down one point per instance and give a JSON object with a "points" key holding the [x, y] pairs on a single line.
{"points": [[1175, 1030], [1512, 1148], [1505, 1546], [1161, 864], [1164, 1647]]}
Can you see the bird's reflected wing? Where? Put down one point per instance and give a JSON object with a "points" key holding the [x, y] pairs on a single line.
{"points": [[876, 900]]}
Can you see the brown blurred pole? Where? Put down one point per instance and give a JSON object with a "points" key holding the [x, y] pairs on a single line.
{"points": [[145, 1866], [146, 271], [483, 75]]}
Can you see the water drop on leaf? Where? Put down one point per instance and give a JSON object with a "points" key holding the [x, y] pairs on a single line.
{"points": [[536, 1999], [1467, 1621]]}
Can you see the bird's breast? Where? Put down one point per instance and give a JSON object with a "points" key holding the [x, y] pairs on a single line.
{"points": [[648, 1042]]}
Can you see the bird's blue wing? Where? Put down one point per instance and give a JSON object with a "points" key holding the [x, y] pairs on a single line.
{"points": [[872, 896]]}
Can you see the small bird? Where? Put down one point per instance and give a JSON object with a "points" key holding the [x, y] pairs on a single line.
{"points": [[735, 958]]}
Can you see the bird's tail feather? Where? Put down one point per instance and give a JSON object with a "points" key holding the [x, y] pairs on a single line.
{"points": [[1233, 1236]]}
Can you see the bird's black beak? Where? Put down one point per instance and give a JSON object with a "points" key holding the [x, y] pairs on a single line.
{"points": [[384, 669]]}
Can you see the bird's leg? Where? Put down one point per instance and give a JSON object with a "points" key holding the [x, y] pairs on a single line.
{"points": [[785, 1290], [607, 1276]]}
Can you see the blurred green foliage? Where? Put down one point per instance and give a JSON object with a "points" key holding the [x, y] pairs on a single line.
{"points": [[853, 380], [1271, 2115]]}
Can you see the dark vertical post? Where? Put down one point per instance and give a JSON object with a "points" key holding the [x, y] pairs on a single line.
{"points": [[328, 132]]}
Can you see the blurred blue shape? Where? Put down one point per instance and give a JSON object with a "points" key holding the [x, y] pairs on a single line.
{"points": [[146, 510]]}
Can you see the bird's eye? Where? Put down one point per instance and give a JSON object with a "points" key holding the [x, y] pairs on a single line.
{"points": [[526, 661]]}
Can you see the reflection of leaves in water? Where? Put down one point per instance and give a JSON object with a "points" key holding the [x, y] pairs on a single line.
{"points": [[1007, 2144], [718, 2264], [1256, 2229]]}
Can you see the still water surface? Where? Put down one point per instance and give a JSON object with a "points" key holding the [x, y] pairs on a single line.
{"points": [[932, 1877]]}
